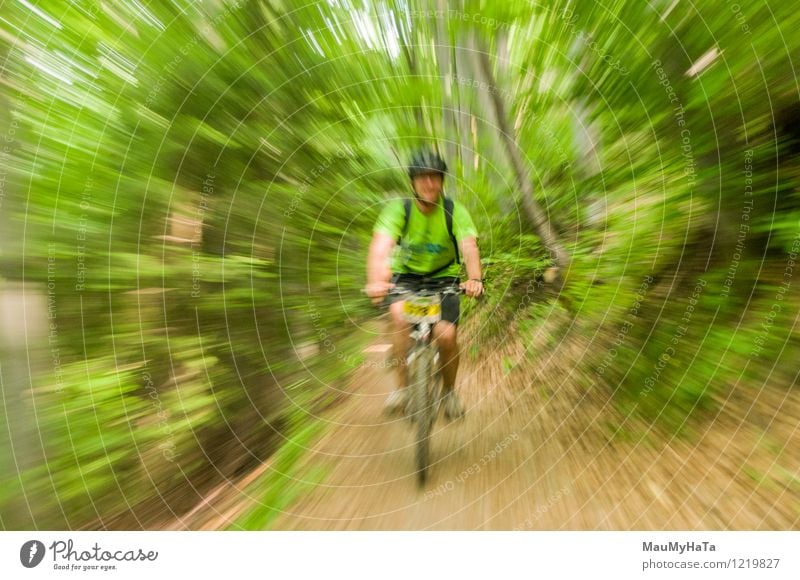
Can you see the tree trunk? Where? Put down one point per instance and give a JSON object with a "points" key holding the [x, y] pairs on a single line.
{"points": [[409, 55], [466, 136], [445, 59], [536, 214]]}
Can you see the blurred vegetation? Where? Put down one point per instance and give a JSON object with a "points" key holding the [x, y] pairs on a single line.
{"points": [[188, 191]]}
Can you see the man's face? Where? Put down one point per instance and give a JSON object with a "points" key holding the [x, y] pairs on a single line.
{"points": [[428, 186]]}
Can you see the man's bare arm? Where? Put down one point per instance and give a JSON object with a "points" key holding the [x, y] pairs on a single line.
{"points": [[379, 272], [472, 260]]}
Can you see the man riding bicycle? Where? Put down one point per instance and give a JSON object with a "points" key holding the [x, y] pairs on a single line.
{"points": [[433, 233]]}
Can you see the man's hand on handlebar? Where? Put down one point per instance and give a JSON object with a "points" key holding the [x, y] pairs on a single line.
{"points": [[377, 291], [473, 288]]}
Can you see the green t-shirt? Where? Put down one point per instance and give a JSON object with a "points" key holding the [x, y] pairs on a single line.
{"points": [[426, 246]]}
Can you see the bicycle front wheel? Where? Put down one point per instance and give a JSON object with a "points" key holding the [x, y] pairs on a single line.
{"points": [[421, 373]]}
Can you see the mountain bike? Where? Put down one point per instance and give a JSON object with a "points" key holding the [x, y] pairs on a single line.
{"points": [[423, 309]]}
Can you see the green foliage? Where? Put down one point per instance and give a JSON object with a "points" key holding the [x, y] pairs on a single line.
{"points": [[96, 430], [283, 483], [188, 190]]}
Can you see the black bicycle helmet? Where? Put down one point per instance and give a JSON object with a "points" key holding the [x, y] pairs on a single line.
{"points": [[426, 161]]}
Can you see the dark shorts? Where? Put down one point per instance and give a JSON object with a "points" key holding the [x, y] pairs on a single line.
{"points": [[451, 303]]}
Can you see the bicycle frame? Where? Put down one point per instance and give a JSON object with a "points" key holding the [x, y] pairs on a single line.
{"points": [[425, 380]]}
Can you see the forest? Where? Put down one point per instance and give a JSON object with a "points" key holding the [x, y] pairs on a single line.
{"points": [[188, 190]]}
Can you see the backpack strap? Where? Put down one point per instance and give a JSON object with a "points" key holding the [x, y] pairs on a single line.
{"points": [[407, 210], [448, 215]]}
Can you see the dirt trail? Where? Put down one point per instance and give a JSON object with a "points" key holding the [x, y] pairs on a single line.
{"points": [[534, 452]]}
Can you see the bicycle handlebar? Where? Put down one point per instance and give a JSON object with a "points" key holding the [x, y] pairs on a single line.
{"points": [[395, 291], [434, 287]]}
